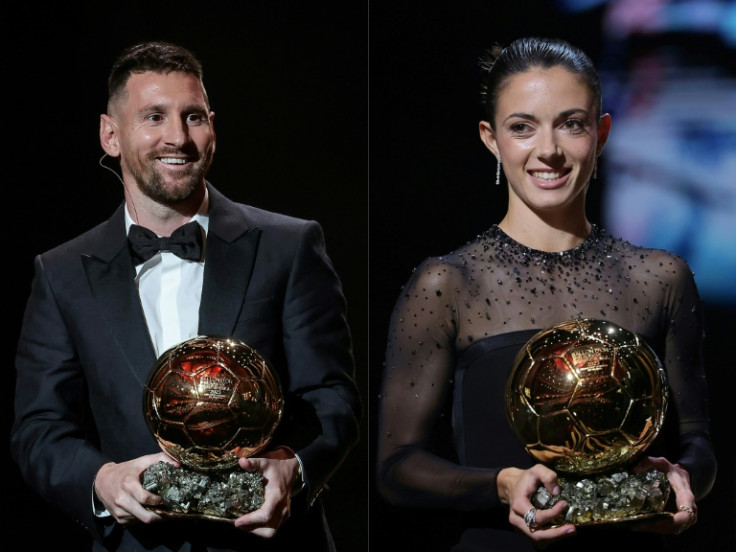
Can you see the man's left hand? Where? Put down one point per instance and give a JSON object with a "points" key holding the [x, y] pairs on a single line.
{"points": [[280, 470]]}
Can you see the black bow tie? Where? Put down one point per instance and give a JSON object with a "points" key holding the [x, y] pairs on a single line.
{"points": [[185, 242]]}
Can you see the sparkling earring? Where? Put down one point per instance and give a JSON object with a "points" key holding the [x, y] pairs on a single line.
{"points": [[498, 171], [595, 169]]}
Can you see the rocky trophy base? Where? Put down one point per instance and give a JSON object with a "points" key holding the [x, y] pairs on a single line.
{"points": [[222, 495], [608, 498]]}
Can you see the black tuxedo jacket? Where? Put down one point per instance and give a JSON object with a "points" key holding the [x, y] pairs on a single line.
{"points": [[84, 354]]}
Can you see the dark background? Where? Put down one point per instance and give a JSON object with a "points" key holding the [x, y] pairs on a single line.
{"points": [[432, 189], [288, 84]]}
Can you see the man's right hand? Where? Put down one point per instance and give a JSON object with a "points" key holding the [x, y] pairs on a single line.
{"points": [[119, 488]]}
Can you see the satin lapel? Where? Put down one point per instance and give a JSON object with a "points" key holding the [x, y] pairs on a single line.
{"points": [[113, 287], [227, 271]]}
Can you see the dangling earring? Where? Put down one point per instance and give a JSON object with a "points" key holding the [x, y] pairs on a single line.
{"points": [[498, 171], [595, 169]]}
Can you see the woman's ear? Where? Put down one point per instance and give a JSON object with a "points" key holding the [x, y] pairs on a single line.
{"points": [[604, 128], [488, 137]]}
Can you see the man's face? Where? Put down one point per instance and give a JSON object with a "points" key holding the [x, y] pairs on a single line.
{"points": [[165, 135]]}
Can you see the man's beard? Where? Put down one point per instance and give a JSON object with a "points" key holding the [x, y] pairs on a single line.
{"points": [[154, 186]]}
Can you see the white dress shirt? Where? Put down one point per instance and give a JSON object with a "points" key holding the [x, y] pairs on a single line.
{"points": [[170, 289]]}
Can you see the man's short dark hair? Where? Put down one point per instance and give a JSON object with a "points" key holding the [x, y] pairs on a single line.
{"points": [[158, 57]]}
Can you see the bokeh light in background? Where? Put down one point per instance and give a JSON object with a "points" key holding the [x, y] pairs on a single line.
{"points": [[667, 70]]}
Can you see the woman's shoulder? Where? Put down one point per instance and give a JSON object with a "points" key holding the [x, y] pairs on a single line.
{"points": [[647, 261], [645, 253], [462, 256], [445, 269]]}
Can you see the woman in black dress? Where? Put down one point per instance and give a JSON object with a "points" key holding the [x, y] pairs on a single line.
{"points": [[462, 317]]}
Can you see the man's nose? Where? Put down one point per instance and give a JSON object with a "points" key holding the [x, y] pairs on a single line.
{"points": [[177, 132]]}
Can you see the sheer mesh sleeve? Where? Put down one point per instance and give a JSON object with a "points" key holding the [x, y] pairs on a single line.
{"points": [[684, 364], [417, 388]]}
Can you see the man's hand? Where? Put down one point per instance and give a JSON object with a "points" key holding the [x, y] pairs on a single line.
{"points": [[280, 470], [118, 487]]}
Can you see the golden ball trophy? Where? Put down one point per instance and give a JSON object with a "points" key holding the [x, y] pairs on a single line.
{"points": [[586, 398], [208, 402]]}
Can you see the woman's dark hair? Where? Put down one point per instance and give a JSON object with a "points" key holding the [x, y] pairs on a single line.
{"points": [[158, 57], [499, 64]]}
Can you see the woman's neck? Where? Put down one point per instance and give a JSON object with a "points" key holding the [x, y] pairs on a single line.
{"points": [[545, 235]]}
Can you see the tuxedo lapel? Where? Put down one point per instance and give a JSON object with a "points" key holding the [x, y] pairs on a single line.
{"points": [[229, 258], [230, 254], [111, 274]]}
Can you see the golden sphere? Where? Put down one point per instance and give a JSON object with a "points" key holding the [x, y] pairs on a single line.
{"points": [[210, 400], [586, 396]]}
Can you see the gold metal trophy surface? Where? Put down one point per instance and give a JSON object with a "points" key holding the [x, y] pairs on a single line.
{"points": [[209, 401], [587, 397]]}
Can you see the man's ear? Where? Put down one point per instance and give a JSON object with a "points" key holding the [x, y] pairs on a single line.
{"points": [[488, 137], [109, 136], [214, 134]]}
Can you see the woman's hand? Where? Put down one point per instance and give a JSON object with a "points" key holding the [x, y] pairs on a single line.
{"points": [[516, 487], [687, 511]]}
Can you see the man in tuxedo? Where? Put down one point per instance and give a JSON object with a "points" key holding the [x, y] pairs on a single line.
{"points": [[106, 304]]}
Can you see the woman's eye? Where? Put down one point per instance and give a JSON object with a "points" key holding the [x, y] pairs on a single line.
{"points": [[519, 127], [574, 124]]}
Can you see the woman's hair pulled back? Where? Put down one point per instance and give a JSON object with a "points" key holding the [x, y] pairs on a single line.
{"points": [[500, 64]]}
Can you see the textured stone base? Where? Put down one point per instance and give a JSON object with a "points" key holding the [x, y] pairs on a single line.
{"points": [[607, 498], [218, 493]]}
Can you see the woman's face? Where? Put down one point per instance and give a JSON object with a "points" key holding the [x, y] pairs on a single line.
{"points": [[548, 137]]}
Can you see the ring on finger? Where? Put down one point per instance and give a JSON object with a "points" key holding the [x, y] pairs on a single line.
{"points": [[530, 518], [687, 509]]}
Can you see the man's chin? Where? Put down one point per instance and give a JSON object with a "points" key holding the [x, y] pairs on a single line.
{"points": [[172, 193]]}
